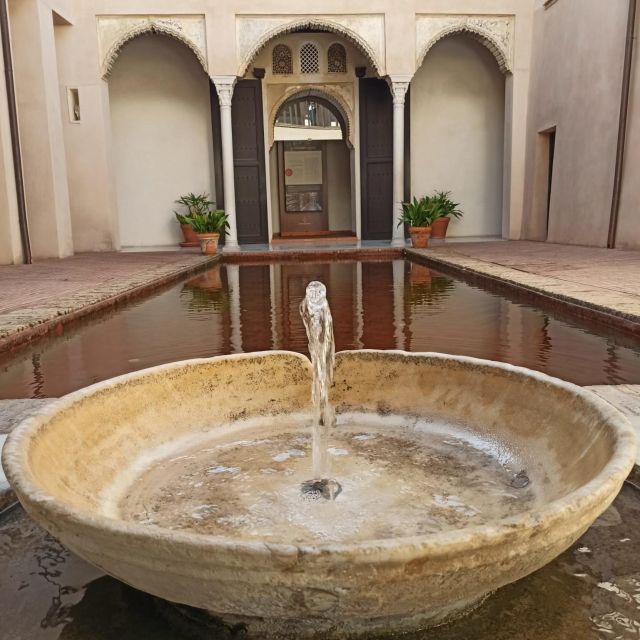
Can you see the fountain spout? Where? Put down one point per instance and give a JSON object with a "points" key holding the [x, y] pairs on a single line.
{"points": [[318, 323]]}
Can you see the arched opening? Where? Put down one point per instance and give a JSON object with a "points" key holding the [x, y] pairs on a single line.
{"points": [[457, 131], [313, 165], [160, 106], [309, 86]]}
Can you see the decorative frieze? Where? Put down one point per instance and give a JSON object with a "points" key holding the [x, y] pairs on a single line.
{"points": [[366, 31], [115, 31], [495, 32]]}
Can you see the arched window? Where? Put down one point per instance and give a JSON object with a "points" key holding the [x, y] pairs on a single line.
{"points": [[337, 58], [281, 60], [309, 59]]}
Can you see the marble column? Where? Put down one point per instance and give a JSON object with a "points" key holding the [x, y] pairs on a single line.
{"points": [[399, 87], [224, 87]]}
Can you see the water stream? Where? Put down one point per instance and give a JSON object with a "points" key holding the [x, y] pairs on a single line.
{"points": [[318, 323]]}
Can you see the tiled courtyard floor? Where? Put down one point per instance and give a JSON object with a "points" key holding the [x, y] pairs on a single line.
{"points": [[34, 298], [600, 279]]}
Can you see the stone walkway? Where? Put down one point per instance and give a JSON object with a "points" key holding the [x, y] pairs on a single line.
{"points": [[35, 298], [603, 280]]}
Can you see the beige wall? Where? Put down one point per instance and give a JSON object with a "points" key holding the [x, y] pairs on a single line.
{"points": [[457, 132], [339, 182], [10, 248], [628, 235], [162, 145], [577, 71]]}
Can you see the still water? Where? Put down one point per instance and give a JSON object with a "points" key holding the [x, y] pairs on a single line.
{"points": [[378, 305]]}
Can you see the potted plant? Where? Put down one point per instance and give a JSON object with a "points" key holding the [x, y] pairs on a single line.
{"points": [[208, 227], [444, 208], [194, 204], [417, 214]]}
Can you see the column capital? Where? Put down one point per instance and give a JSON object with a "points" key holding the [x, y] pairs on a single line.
{"points": [[399, 86], [224, 87]]}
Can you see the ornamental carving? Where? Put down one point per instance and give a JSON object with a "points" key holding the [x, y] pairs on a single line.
{"points": [[364, 31], [115, 31], [340, 95], [337, 58], [494, 32], [281, 60]]}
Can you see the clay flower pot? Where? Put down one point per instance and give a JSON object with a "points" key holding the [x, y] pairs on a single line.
{"points": [[419, 237], [209, 243], [439, 228], [190, 236]]}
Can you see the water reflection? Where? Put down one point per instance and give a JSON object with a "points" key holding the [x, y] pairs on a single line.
{"points": [[376, 304]]}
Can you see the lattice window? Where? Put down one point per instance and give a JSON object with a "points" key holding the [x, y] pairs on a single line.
{"points": [[309, 59], [337, 58], [281, 60]]}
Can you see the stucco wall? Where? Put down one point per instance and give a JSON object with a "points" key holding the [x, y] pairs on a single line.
{"points": [[339, 181], [576, 79], [628, 235], [457, 132], [162, 144]]}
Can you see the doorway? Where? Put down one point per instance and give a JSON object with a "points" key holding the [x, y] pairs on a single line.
{"points": [[313, 165]]}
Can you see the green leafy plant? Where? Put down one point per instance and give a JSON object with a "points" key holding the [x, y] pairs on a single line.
{"points": [[215, 221], [442, 206], [182, 219], [195, 204], [416, 213]]}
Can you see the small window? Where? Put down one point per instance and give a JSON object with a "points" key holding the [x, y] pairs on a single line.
{"points": [[309, 59], [337, 58], [73, 98], [281, 60]]}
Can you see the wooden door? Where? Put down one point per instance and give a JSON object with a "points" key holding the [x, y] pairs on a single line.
{"points": [[376, 159], [249, 162], [302, 180]]}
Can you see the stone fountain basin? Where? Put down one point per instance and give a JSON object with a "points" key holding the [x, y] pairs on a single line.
{"points": [[62, 461]]}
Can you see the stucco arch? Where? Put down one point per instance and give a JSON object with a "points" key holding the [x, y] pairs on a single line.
{"points": [[496, 33], [159, 26], [319, 23], [325, 94]]}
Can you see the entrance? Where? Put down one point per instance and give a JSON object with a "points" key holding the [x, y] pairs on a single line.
{"points": [[314, 181]]}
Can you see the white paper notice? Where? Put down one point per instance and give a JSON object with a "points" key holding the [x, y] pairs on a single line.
{"points": [[302, 167]]}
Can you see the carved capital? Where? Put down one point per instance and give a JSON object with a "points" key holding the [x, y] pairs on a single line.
{"points": [[224, 87], [399, 90]]}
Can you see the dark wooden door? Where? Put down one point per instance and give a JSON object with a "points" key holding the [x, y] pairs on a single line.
{"points": [[249, 162], [376, 158]]}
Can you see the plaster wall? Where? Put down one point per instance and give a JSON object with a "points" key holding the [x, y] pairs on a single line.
{"points": [[628, 232], [162, 141], [10, 248], [457, 132], [575, 87], [40, 123], [339, 181]]}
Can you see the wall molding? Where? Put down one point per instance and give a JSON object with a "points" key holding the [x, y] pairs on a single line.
{"points": [[365, 31], [497, 33], [115, 31]]}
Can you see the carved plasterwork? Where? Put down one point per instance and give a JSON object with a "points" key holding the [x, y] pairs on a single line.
{"points": [[341, 95], [115, 31], [495, 32], [365, 31]]}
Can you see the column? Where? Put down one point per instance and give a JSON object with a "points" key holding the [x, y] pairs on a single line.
{"points": [[40, 123], [398, 303], [224, 87], [233, 281], [398, 90]]}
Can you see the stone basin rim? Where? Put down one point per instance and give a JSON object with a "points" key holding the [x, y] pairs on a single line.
{"points": [[587, 497]]}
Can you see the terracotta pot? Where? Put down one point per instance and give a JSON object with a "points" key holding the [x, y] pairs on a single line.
{"points": [[190, 236], [439, 228], [419, 237], [209, 243]]}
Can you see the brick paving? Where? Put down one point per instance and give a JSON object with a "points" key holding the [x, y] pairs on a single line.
{"points": [[34, 298], [602, 279]]}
